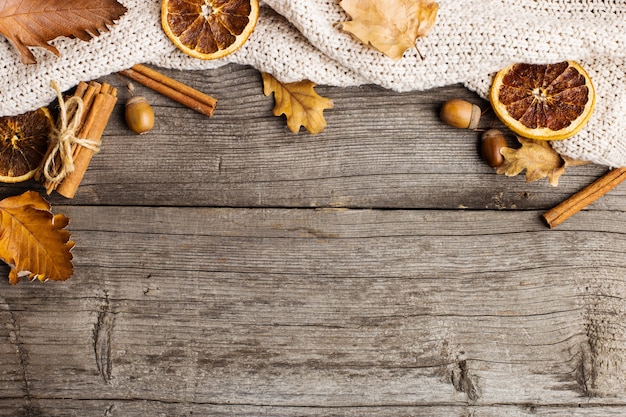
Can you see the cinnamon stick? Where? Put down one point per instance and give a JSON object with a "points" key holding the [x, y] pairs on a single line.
{"points": [[82, 91], [98, 103], [93, 128], [583, 198], [93, 89], [171, 88]]}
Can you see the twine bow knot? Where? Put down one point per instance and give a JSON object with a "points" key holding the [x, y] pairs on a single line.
{"points": [[63, 137]]}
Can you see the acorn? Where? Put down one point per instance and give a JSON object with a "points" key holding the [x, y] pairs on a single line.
{"points": [[139, 115], [492, 141], [460, 114]]}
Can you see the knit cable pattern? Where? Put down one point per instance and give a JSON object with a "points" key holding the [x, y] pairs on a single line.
{"points": [[300, 39]]}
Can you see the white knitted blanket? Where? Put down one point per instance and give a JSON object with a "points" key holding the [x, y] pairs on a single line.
{"points": [[299, 39]]}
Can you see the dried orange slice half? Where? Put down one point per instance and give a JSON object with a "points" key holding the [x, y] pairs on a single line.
{"points": [[546, 102], [209, 29], [23, 144]]}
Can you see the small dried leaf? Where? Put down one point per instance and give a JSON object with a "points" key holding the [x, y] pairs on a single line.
{"points": [[35, 22], [570, 162], [539, 160], [299, 103], [390, 26], [33, 241]]}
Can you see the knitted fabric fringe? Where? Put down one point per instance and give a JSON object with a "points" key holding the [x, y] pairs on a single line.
{"points": [[298, 39]]}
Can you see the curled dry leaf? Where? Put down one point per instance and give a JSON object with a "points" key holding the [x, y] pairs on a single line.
{"points": [[539, 160], [390, 26], [299, 103], [33, 241], [35, 22]]}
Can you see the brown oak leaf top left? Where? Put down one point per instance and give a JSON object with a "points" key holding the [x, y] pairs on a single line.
{"points": [[27, 23]]}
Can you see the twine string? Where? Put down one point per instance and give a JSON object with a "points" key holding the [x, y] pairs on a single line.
{"points": [[63, 137]]}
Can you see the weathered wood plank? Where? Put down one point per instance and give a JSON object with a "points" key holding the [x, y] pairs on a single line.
{"points": [[381, 149], [72, 408], [236, 297], [324, 312]]}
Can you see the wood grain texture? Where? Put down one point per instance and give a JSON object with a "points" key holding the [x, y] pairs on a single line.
{"points": [[380, 150], [295, 309], [226, 267]]}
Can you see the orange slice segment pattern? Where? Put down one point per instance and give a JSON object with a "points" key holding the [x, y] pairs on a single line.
{"points": [[23, 144], [548, 102], [551, 96], [209, 29]]}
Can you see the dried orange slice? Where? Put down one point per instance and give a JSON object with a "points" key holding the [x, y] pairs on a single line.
{"points": [[23, 143], [547, 102], [209, 29]]}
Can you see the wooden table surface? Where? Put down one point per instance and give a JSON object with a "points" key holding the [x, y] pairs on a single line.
{"points": [[227, 267]]}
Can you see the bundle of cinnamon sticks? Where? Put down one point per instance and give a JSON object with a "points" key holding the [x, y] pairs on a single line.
{"points": [[98, 103]]}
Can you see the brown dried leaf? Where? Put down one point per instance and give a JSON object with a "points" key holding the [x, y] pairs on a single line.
{"points": [[539, 160], [35, 22], [390, 26], [299, 103], [32, 240]]}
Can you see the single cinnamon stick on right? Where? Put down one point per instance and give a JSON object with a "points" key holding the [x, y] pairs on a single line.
{"points": [[171, 88], [583, 198]]}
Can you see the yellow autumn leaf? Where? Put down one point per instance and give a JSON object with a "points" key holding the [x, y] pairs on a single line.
{"points": [[390, 26], [539, 160], [299, 102], [33, 241]]}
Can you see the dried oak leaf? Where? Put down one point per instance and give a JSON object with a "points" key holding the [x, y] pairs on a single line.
{"points": [[539, 160], [35, 22], [390, 26], [32, 240], [299, 103]]}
